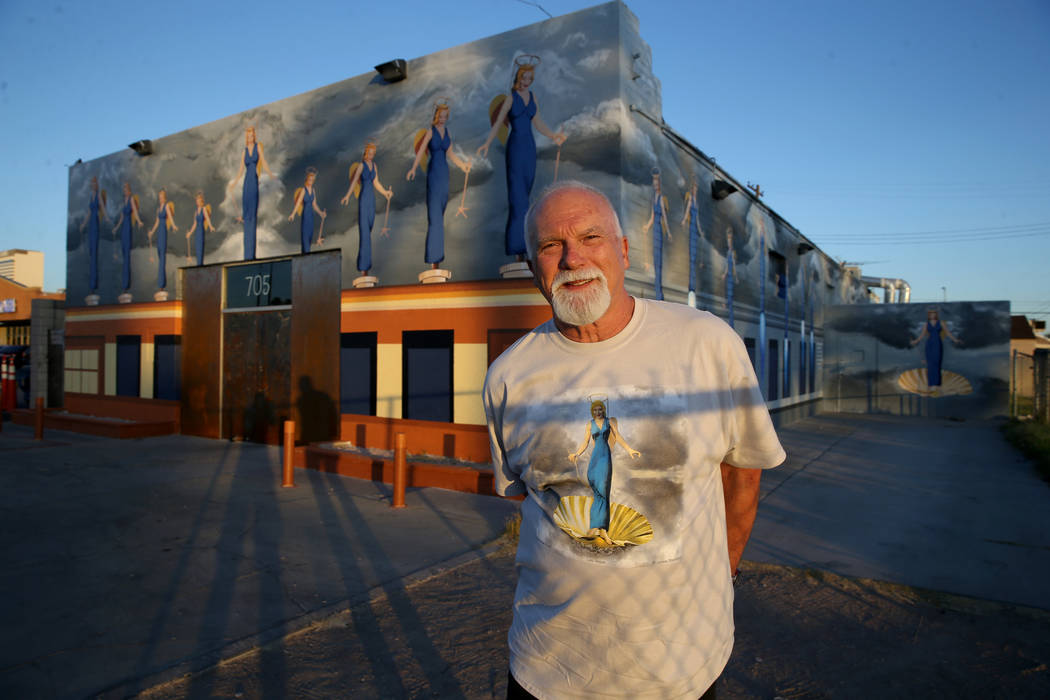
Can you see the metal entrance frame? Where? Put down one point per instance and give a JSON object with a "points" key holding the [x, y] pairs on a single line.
{"points": [[285, 355]]}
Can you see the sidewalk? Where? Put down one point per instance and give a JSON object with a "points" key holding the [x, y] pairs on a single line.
{"points": [[934, 503], [131, 563], [125, 559]]}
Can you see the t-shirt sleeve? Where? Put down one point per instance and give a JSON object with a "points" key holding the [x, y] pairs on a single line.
{"points": [[753, 441], [506, 482]]}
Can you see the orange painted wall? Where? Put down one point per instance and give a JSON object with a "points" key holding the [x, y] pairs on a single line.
{"points": [[125, 407], [167, 321], [470, 322]]}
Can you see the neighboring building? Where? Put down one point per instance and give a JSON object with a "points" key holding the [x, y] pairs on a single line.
{"points": [[16, 310], [230, 344], [1026, 337], [23, 266]]}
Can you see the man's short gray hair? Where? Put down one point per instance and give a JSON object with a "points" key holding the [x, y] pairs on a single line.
{"points": [[530, 215]]}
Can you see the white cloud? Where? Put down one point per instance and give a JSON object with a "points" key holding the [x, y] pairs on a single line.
{"points": [[597, 59]]}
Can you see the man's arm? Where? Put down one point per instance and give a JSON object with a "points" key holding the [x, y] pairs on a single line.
{"points": [[740, 487]]}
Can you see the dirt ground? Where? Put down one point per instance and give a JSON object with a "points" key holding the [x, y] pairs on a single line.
{"points": [[800, 634]]}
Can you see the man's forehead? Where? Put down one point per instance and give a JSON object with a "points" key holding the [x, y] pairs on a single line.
{"points": [[571, 211]]}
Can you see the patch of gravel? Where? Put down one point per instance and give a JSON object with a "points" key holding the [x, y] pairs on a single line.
{"points": [[801, 634]]}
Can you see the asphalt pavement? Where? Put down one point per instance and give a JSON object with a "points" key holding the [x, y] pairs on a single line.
{"points": [[128, 563]]}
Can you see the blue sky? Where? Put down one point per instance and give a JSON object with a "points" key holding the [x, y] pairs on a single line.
{"points": [[911, 137]]}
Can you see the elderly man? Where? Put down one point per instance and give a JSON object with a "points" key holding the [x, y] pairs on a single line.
{"points": [[627, 554]]}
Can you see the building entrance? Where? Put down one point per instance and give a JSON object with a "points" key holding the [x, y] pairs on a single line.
{"points": [[256, 375]]}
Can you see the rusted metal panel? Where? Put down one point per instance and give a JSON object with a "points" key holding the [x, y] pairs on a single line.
{"points": [[201, 345], [256, 375], [316, 291]]}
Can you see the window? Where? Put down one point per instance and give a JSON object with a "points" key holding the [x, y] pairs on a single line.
{"points": [[773, 377], [778, 272], [129, 357], [81, 371], [167, 367], [357, 373], [427, 375], [803, 358], [787, 368], [813, 365], [749, 344]]}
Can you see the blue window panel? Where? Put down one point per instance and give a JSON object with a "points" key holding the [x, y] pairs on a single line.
{"points": [[167, 367], [129, 357], [427, 377], [357, 373]]}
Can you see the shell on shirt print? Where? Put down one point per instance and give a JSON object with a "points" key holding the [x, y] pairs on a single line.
{"points": [[609, 473]]}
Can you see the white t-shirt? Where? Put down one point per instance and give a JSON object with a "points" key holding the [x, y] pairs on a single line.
{"points": [[650, 616]]}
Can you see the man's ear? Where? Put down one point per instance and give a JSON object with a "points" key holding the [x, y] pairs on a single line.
{"points": [[626, 252], [535, 280]]}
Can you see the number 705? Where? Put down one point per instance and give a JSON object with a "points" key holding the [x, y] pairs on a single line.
{"points": [[257, 284]]}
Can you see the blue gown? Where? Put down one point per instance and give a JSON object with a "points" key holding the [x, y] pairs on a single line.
{"points": [[162, 247], [658, 247], [694, 241], [92, 230], [437, 195], [599, 474], [306, 224], [125, 244], [934, 353], [521, 170], [730, 260], [250, 199], [200, 237], [366, 217]]}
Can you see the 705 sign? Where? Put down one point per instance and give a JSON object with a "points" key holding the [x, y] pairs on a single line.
{"points": [[257, 284]]}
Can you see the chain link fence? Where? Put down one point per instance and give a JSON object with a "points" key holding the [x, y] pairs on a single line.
{"points": [[1030, 385]]}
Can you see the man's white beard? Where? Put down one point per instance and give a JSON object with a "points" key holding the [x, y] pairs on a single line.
{"points": [[580, 307]]}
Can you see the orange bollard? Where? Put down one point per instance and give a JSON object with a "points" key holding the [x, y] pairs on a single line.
{"points": [[288, 480], [400, 471], [38, 428]]}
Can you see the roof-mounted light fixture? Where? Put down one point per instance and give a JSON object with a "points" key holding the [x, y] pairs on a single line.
{"points": [[393, 71]]}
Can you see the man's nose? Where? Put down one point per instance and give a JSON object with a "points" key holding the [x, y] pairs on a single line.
{"points": [[572, 256]]}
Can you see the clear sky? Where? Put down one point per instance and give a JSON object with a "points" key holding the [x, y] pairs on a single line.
{"points": [[912, 137]]}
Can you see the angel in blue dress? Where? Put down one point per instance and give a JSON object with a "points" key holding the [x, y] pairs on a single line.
{"points": [[201, 223], [306, 204], [253, 163], [520, 111], [729, 275], [603, 432], [165, 220], [436, 143], [364, 182], [658, 223], [129, 216], [692, 215], [96, 211], [934, 331]]}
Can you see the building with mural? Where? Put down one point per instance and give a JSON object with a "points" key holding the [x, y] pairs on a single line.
{"points": [[352, 257]]}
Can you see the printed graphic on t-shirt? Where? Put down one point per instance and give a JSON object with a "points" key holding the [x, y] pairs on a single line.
{"points": [[608, 468], [593, 519]]}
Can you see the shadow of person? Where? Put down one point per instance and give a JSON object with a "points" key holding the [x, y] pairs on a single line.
{"points": [[317, 412], [259, 419]]}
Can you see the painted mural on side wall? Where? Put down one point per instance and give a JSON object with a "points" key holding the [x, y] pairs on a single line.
{"points": [[944, 360], [428, 179]]}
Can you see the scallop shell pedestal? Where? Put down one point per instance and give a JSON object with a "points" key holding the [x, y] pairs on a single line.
{"points": [[626, 525], [915, 381]]}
